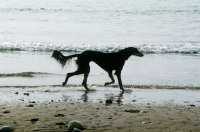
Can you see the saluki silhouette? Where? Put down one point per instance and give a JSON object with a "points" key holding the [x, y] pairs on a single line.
{"points": [[107, 61]]}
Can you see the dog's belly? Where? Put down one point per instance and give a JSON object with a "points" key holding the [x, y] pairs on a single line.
{"points": [[107, 65]]}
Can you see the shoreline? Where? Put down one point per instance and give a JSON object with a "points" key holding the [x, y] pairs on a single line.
{"points": [[97, 94], [126, 86]]}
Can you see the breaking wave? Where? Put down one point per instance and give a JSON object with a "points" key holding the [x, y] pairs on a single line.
{"points": [[145, 48]]}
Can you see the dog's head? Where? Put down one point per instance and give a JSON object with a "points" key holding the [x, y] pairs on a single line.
{"points": [[134, 51]]}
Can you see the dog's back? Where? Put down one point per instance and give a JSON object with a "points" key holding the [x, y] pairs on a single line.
{"points": [[107, 61]]}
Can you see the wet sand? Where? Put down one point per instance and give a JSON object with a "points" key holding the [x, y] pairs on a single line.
{"points": [[48, 109]]}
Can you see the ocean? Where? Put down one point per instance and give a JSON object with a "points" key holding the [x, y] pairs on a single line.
{"points": [[165, 31]]}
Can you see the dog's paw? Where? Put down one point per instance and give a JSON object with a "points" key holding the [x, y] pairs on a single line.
{"points": [[122, 89], [63, 84], [107, 83]]}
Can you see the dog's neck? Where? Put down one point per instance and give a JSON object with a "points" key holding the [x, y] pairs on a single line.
{"points": [[125, 54]]}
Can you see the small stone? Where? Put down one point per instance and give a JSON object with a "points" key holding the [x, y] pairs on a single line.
{"points": [[6, 112], [60, 123], [74, 124], [47, 91], [134, 100], [36, 129], [146, 122], [144, 111], [148, 107], [30, 105], [119, 101], [6, 129], [108, 101], [132, 110], [192, 105], [16, 93], [26, 94], [59, 115], [34, 119], [147, 118], [76, 130]]}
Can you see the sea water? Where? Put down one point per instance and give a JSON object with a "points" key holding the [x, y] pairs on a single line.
{"points": [[165, 31]]}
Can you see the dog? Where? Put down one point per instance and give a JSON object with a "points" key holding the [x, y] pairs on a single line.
{"points": [[107, 61]]}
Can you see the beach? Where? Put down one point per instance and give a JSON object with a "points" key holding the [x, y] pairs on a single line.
{"points": [[162, 87], [50, 109]]}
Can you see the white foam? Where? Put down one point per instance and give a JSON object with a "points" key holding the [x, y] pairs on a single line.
{"points": [[145, 48]]}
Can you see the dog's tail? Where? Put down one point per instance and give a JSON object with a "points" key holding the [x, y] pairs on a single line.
{"points": [[63, 59]]}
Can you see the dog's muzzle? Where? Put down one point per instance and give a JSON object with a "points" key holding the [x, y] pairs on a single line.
{"points": [[140, 55]]}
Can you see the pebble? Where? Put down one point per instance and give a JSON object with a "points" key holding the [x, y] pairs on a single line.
{"points": [[147, 118], [21, 99], [144, 111], [76, 130], [148, 107], [6, 112], [6, 129], [34, 119], [108, 101], [30, 105], [16, 93], [74, 124], [133, 110], [59, 115], [26, 94], [146, 122], [119, 101], [60, 123]]}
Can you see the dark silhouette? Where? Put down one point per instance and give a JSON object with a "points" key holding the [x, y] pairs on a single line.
{"points": [[107, 61]]}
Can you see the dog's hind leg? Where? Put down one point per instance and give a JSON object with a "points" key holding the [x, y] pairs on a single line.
{"points": [[111, 77], [85, 78], [118, 74], [71, 74]]}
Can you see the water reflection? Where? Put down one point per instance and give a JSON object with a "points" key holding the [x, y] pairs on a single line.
{"points": [[102, 96], [84, 97]]}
